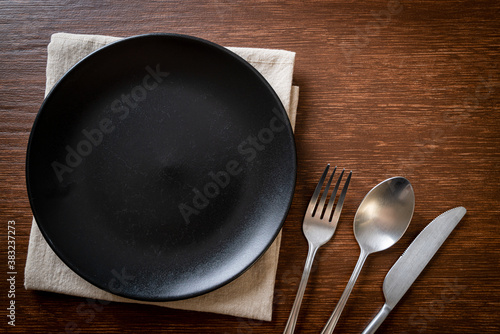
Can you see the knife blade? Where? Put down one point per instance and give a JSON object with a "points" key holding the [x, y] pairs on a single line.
{"points": [[409, 265]]}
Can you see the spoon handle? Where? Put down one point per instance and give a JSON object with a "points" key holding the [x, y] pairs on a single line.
{"points": [[330, 325], [292, 320]]}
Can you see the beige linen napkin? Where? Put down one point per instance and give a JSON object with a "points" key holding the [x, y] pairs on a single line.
{"points": [[251, 294]]}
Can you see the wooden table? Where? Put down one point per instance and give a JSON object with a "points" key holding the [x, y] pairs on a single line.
{"points": [[387, 88]]}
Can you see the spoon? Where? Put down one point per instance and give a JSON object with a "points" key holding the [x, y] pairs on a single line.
{"points": [[381, 220]]}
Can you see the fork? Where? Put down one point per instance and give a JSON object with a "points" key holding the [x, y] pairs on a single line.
{"points": [[318, 227]]}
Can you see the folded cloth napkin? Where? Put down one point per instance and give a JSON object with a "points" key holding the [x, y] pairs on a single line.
{"points": [[251, 294]]}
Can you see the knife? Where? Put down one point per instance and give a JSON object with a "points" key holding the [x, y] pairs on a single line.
{"points": [[409, 265]]}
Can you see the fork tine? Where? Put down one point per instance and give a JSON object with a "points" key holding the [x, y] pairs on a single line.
{"points": [[314, 198], [340, 203], [321, 205], [328, 211]]}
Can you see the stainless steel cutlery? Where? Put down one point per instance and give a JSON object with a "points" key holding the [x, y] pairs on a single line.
{"points": [[381, 219], [319, 226], [409, 266]]}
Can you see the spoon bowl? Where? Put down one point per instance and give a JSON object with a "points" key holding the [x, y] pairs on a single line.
{"points": [[380, 221], [384, 214]]}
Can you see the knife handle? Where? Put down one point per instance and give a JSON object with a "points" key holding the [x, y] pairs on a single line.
{"points": [[379, 318]]}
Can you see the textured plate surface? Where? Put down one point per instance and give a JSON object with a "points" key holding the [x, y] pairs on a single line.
{"points": [[161, 167]]}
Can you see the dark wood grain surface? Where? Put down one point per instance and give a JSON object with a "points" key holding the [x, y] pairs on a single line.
{"points": [[388, 88]]}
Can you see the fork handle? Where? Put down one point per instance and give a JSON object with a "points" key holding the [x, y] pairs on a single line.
{"points": [[292, 319]]}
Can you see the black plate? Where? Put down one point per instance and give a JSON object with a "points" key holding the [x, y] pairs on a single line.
{"points": [[161, 167]]}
